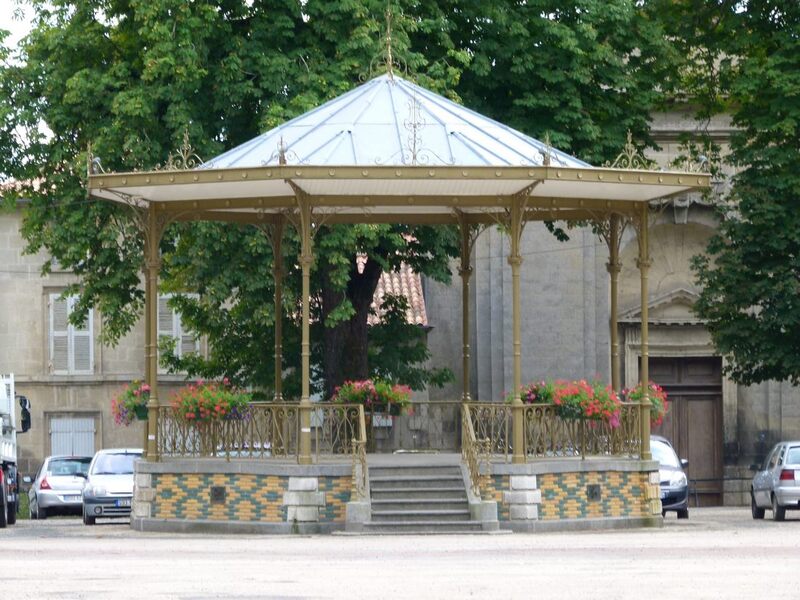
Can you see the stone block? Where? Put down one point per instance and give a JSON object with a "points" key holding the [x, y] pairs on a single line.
{"points": [[654, 477], [303, 484], [143, 480], [302, 514], [141, 510], [523, 512], [304, 499], [523, 482], [529, 497], [144, 495]]}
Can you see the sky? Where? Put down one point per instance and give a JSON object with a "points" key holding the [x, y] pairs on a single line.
{"points": [[7, 21]]}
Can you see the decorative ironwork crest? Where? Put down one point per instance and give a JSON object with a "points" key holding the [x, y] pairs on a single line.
{"points": [[632, 158], [182, 159]]}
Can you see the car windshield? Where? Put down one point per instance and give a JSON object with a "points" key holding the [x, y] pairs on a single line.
{"points": [[793, 458], [68, 466], [115, 464], [664, 454]]}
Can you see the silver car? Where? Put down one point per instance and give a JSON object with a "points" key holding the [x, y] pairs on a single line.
{"points": [[776, 485], [58, 486], [109, 487]]}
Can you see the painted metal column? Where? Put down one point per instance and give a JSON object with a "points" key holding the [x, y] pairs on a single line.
{"points": [[465, 271], [306, 260], [277, 276], [152, 238], [515, 260], [614, 267], [644, 263]]}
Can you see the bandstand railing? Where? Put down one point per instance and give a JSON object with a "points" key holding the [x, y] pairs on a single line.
{"points": [[546, 435]]}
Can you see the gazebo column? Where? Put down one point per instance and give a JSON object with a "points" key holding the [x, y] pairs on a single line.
{"points": [[614, 267], [465, 271], [153, 265], [644, 263], [277, 275], [306, 261], [515, 260]]}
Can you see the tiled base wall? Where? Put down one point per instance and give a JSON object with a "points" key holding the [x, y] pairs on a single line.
{"points": [[539, 494], [213, 495]]}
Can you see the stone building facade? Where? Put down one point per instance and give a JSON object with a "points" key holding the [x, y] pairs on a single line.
{"points": [[721, 427]]}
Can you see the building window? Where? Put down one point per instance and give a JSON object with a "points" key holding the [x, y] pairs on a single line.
{"points": [[71, 347], [170, 326]]}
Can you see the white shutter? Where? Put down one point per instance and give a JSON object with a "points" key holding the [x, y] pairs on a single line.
{"points": [[59, 334], [82, 347], [72, 436], [166, 318]]}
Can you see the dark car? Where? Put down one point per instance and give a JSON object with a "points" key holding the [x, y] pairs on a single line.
{"points": [[674, 484], [776, 485]]}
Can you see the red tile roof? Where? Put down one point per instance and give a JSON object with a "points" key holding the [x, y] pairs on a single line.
{"points": [[403, 282]]}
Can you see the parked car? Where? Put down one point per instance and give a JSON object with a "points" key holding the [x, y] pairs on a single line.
{"points": [[58, 486], [674, 484], [109, 486], [776, 484]]}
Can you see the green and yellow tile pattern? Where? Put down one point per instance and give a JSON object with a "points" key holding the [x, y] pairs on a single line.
{"points": [[622, 494]]}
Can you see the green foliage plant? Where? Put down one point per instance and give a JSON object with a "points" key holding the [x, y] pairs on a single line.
{"points": [[130, 404]]}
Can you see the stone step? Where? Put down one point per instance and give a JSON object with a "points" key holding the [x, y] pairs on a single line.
{"points": [[417, 504], [409, 481], [445, 492], [407, 516], [422, 527], [415, 470]]}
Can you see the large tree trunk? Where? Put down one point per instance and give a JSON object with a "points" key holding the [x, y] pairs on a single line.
{"points": [[345, 345]]}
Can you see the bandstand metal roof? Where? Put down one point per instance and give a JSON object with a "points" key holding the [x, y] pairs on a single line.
{"points": [[392, 151]]}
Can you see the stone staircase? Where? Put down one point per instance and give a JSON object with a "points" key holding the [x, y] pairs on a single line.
{"points": [[419, 499]]}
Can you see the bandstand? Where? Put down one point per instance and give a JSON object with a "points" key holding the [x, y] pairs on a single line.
{"points": [[390, 152]]}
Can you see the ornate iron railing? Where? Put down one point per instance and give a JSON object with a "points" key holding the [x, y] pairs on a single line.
{"points": [[475, 453], [426, 425], [266, 430], [546, 435]]}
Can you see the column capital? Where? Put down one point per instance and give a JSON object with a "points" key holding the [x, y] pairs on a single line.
{"points": [[306, 260], [465, 272], [153, 264], [514, 261], [644, 264], [614, 267]]}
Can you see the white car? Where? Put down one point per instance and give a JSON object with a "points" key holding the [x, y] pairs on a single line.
{"points": [[109, 485], [58, 486], [776, 485]]}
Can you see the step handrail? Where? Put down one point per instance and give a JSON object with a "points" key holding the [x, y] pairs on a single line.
{"points": [[360, 468], [475, 453]]}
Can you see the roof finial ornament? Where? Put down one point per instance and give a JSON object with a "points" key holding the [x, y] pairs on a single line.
{"points": [[281, 152], [385, 59], [389, 62], [547, 147]]}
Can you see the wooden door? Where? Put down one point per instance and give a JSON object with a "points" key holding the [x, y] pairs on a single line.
{"points": [[694, 422]]}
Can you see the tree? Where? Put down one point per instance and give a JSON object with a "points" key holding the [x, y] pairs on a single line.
{"points": [[751, 276], [129, 77]]}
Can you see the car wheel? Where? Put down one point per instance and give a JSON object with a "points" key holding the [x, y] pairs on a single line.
{"points": [[683, 513], [663, 513], [12, 513], [41, 513], [87, 520], [758, 513], [778, 511]]}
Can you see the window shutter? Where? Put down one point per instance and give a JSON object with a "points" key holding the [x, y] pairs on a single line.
{"points": [[82, 349], [59, 334], [166, 318]]}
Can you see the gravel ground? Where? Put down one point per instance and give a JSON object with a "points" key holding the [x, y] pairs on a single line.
{"points": [[717, 553]]}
